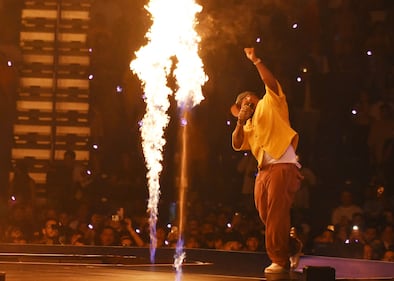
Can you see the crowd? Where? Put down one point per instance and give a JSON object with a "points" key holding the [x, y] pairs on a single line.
{"points": [[113, 218]]}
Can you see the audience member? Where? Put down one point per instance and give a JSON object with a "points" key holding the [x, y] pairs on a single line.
{"points": [[387, 236], [343, 214], [22, 187], [161, 237], [14, 234], [375, 202], [50, 234], [388, 256], [323, 243], [63, 180], [372, 244], [129, 236], [77, 238], [107, 236], [192, 242], [254, 242], [22, 217]]}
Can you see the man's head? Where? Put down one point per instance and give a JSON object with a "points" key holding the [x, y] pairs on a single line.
{"points": [[244, 97], [51, 229]]}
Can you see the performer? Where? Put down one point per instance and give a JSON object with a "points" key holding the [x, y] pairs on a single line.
{"points": [[263, 127]]}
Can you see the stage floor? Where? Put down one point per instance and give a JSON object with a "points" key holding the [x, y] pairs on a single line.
{"points": [[60, 272], [64, 263]]}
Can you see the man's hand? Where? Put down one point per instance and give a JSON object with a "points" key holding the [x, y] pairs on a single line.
{"points": [[245, 113], [250, 54], [128, 223]]}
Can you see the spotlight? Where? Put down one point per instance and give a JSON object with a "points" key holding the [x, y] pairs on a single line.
{"points": [[90, 76], [299, 79], [369, 53], [258, 40], [295, 25], [95, 146], [9, 63], [119, 89]]}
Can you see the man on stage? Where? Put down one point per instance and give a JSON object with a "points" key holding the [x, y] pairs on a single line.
{"points": [[263, 127]]}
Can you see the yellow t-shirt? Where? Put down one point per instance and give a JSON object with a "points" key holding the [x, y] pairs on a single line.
{"points": [[269, 129]]}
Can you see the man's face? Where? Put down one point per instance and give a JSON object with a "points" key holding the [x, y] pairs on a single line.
{"points": [[51, 229], [107, 237], [250, 100]]}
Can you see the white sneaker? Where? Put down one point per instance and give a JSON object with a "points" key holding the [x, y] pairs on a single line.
{"points": [[275, 268]]}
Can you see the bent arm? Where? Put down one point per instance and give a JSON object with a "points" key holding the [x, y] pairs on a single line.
{"points": [[137, 239], [238, 136]]}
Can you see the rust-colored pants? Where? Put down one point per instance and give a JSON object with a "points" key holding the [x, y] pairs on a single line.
{"points": [[274, 191]]}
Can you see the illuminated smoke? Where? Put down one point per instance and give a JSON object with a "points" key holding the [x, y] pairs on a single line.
{"points": [[171, 37]]}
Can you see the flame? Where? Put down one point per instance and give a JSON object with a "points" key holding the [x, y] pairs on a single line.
{"points": [[171, 35]]}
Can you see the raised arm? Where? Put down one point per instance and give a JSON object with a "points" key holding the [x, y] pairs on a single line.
{"points": [[137, 239], [265, 74]]}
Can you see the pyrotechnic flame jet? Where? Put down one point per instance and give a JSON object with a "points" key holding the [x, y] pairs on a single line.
{"points": [[172, 35]]}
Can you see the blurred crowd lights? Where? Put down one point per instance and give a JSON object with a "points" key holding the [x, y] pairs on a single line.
{"points": [[95, 146], [119, 89]]}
